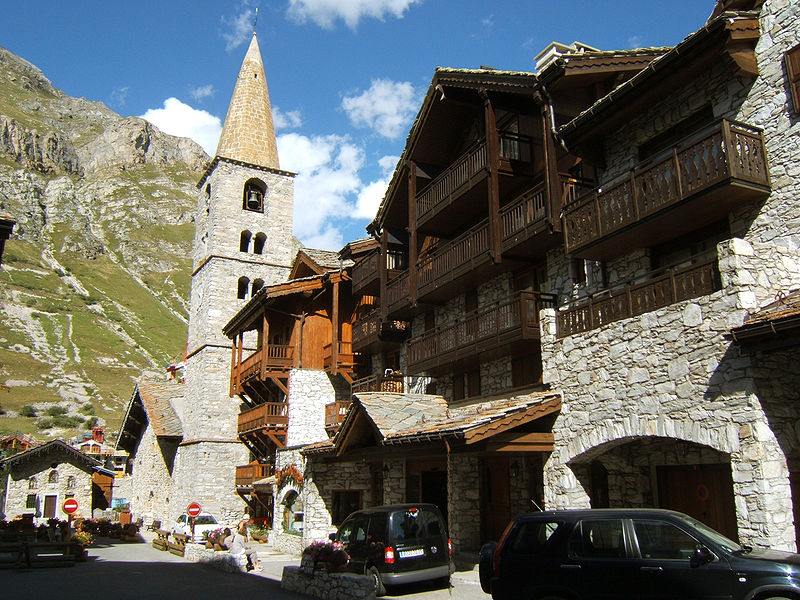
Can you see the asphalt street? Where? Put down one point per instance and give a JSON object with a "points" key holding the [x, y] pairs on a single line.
{"points": [[119, 570]]}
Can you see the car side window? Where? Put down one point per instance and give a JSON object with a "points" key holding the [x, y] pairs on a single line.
{"points": [[360, 530], [531, 537], [662, 540], [598, 539], [346, 531]]}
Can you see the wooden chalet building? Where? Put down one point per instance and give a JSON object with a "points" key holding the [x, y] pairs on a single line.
{"points": [[292, 366]]}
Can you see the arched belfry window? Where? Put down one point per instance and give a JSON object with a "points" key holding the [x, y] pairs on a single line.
{"points": [[244, 241], [259, 242], [253, 198], [53, 477], [241, 292], [257, 285]]}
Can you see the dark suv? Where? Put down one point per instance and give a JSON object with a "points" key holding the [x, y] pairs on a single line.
{"points": [[397, 544], [631, 554]]}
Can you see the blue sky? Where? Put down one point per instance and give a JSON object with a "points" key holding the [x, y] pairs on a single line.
{"points": [[346, 77]]}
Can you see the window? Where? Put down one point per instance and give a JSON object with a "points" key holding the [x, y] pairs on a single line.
{"points": [[532, 537], [474, 383], [793, 73], [577, 270], [599, 479], [345, 502], [690, 248], [32, 483], [257, 285], [598, 539], [670, 137], [30, 501], [458, 386], [244, 284], [53, 477], [244, 241], [663, 540], [527, 370], [253, 197], [259, 243], [70, 482]]}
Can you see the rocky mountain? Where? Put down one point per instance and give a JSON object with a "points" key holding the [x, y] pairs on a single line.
{"points": [[95, 279]]}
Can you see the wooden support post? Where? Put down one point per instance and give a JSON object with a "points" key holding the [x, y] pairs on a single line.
{"points": [[412, 232], [335, 329], [264, 345], [234, 368], [493, 162], [552, 180], [382, 271], [239, 361]]}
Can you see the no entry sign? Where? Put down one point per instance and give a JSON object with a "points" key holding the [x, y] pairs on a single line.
{"points": [[193, 509], [70, 506]]}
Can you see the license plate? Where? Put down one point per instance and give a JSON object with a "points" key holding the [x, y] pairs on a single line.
{"points": [[412, 553]]}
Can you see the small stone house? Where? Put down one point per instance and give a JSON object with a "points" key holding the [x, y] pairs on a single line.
{"points": [[37, 481]]}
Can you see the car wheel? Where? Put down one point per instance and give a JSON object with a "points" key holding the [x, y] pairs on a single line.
{"points": [[380, 589]]}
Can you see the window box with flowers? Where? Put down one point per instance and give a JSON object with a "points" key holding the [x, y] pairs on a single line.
{"points": [[324, 556]]}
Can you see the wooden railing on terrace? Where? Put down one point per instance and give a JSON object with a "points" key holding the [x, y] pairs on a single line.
{"points": [[458, 177], [514, 318], [388, 382], [271, 415], [366, 270], [247, 474], [631, 300], [397, 293], [726, 150], [335, 412], [373, 327], [279, 357], [346, 358], [456, 257]]}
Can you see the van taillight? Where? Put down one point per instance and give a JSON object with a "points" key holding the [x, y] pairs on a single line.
{"points": [[450, 546], [388, 555], [496, 557]]}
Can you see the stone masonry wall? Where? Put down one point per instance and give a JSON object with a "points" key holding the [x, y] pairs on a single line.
{"points": [[151, 483], [463, 504], [309, 391], [72, 481]]}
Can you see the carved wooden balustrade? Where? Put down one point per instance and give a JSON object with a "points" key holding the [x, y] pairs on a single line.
{"points": [[366, 275], [270, 415], [727, 151], [335, 412], [397, 297], [346, 359], [388, 382], [662, 290], [247, 474], [372, 328], [516, 318], [271, 358]]}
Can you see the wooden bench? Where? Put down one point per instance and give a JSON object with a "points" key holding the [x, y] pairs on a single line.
{"points": [[178, 545], [161, 541]]}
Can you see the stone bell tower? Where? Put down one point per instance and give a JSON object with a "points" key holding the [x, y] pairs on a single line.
{"points": [[243, 241]]}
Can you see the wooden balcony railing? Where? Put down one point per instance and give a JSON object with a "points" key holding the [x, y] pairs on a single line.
{"points": [[388, 382], [365, 273], [335, 412], [454, 258], [657, 292], [727, 151], [271, 415], [346, 358], [516, 318], [372, 328], [397, 293], [279, 357], [247, 474]]}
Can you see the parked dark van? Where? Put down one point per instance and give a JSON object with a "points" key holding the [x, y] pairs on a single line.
{"points": [[397, 544], [630, 554]]}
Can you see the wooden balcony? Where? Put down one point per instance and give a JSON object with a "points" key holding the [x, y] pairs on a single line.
{"points": [[335, 412], [276, 357], [270, 416], [247, 474], [696, 183], [398, 302], [659, 291], [438, 205], [346, 360], [372, 333], [481, 335], [388, 382], [366, 272]]}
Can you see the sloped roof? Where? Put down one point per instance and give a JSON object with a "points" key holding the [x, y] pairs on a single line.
{"points": [[62, 452], [151, 402], [773, 326], [416, 418]]}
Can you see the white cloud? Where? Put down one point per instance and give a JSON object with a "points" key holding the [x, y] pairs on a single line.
{"points": [[177, 118], [199, 93], [286, 120], [635, 41], [370, 196], [387, 107], [325, 12], [239, 28], [119, 96]]}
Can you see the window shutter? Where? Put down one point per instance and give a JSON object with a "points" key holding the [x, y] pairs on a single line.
{"points": [[793, 71]]}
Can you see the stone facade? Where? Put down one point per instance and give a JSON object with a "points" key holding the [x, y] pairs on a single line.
{"points": [[328, 586], [39, 479], [309, 391], [669, 387], [151, 479]]}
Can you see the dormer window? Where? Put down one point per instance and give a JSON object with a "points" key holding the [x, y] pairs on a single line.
{"points": [[254, 192]]}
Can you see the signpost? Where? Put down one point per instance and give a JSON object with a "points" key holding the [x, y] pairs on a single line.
{"points": [[193, 510], [69, 506]]}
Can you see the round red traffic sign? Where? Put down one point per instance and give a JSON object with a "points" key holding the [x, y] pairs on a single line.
{"points": [[70, 506], [193, 509]]}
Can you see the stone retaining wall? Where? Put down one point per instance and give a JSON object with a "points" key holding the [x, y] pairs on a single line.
{"points": [[224, 561], [328, 586]]}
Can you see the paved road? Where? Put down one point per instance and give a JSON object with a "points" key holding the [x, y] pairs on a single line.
{"points": [[135, 571]]}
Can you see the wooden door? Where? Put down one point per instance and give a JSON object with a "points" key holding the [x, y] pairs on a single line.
{"points": [[496, 501], [50, 507], [704, 492]]}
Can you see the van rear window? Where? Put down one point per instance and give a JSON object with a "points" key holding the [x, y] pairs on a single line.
{"points": [[406, 525]]}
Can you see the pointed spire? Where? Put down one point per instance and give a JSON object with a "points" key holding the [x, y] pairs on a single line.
{"points": [[249, 134]]}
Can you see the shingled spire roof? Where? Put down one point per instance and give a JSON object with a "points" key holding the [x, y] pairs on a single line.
{"points": [[249, 134]]}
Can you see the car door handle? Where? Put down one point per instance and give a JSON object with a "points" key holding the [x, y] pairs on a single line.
{"points": [[571, 567], [652, 569]]}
